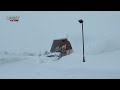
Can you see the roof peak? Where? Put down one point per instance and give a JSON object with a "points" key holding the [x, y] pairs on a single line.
{"points": [[61, 39]]}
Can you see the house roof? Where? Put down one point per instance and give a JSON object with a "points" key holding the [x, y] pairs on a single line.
{"points": [[61, 39], [58, 42]]}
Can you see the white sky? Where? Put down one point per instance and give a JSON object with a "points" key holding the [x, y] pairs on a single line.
{"points": [[36, 29]]}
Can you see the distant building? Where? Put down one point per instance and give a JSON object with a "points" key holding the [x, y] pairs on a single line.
{"points": [[61, 45]]}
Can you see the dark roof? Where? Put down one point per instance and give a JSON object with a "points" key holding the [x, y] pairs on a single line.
{"points": [[59, 42]]}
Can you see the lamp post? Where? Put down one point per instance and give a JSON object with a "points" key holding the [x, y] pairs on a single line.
{"points": [[81, 21]]}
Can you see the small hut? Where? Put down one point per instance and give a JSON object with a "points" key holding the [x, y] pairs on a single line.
{"points": [[61, 45]]}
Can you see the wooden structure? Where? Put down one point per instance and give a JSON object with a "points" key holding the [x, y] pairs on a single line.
{"points": [[62, 46]]}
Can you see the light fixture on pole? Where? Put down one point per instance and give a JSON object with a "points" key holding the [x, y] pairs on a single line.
{"points": [[81, 21]]}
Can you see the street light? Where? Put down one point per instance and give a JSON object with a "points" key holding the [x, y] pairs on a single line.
{"points": [[81, 21]]}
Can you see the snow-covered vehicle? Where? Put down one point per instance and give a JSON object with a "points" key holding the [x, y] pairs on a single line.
{"points": [[55, 54], [50, 57]]}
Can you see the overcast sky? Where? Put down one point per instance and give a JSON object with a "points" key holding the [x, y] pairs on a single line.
{"points": [[37, 29]]}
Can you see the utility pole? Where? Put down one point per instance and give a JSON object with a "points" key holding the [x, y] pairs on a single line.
{"points": [[81, 21]]}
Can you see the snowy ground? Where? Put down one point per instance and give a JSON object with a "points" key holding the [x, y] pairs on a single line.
{"points": [[68, 67], [21, 43]]}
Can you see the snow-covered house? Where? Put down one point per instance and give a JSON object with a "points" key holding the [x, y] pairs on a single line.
{"points": [[62, 46]]}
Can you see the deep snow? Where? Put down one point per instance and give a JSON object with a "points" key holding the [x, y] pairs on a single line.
{"points": [[35, 32]]}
